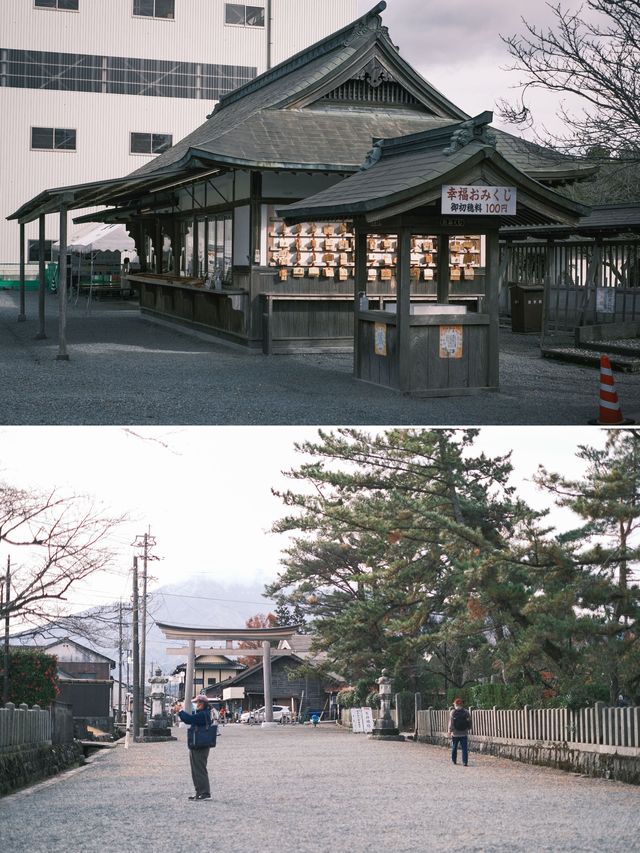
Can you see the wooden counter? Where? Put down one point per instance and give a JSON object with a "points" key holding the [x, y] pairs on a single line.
{"points": [[186, 301]]}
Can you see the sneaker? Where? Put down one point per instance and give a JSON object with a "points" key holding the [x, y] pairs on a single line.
{"points": [[203, 797]]}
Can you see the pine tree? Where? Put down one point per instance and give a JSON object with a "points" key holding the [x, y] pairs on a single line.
{"points": [[607, 498]]}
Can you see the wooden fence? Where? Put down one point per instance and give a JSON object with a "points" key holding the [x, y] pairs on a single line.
{"points": [[23, 726], [586, 282], [600, 726]]}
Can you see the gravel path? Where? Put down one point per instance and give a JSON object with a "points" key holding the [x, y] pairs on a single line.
{"points": [[126, 370], [307, 790]]}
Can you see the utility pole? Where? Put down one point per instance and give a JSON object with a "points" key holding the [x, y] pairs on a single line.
{"points": [[146, 541], [7, 601], [136, 652], [120, 661]]}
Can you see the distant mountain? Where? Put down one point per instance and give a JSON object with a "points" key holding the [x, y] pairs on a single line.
{"points": [[197, 601]]}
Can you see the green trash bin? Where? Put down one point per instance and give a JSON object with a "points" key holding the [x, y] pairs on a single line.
{"points": [[51, 277]]}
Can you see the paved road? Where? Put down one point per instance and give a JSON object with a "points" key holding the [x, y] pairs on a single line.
{"points": [[307, 790], [126, 370]]}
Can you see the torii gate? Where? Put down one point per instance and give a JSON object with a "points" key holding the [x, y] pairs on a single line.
{"points": [[264, 635]]}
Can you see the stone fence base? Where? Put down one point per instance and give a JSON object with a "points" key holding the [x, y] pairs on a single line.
{"points": [[21, 766], [619, 763]]}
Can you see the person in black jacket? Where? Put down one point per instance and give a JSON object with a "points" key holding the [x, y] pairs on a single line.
{"points": [[459, 728], [198, 756]]}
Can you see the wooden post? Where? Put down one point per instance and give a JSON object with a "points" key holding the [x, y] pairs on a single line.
{"points": [[194, 248], [41, 282], [403, 309], [442, 269], [158, 241], [62, 288], [491, 289], [22, 315], [360, 284]]}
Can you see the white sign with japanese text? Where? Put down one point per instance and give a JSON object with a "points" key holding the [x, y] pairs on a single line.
{"points": [[479, 200], [367, 719], [357, 723]]}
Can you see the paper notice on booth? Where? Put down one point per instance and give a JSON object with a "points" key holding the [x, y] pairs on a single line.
{"points": [[450, 341], [380, 338]]}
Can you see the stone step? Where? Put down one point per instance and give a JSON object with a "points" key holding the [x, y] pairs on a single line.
{"points": [[591, 357]]}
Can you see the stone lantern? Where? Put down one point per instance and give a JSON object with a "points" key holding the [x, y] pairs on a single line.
{"points": [[384, 726], [159, 724]]}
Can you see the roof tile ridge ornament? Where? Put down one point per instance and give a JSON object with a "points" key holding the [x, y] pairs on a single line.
{"points": [[341, 38], [476, 129], [369, 22], [373, 155]]}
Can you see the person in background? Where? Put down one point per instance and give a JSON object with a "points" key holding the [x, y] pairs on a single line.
{"points": [[198, 756], [459, 728]]}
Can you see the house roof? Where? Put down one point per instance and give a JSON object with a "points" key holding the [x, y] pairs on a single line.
{"points": [[603, 220], [96, 656], [287, 119], [406, 172]]}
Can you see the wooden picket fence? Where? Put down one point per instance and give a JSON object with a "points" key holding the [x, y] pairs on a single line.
{"points": [[23, 726], [600, 725]]}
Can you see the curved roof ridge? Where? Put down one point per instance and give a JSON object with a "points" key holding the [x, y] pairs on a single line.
{"points": [[308, 54]]}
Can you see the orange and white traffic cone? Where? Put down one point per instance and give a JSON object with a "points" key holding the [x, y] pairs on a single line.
{"points": [[610, 413]]}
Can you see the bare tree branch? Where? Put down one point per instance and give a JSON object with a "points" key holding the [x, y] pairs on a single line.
{"points": [[594, 54]]}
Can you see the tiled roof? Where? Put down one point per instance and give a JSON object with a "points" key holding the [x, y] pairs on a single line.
{"points": [[415, 168]]}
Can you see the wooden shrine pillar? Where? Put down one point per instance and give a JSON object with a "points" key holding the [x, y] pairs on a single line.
{"points": [[492, 276], [22, 316], [403, 309], [360, 279], [62, 288], [41, 279], [442, 270]]}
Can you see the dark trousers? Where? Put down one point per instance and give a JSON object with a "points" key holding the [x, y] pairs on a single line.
{"points": [[462, 740], [198, 759]]}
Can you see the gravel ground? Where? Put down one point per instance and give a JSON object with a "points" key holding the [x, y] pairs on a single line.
{"points": [[314, 790], [126, 370]]}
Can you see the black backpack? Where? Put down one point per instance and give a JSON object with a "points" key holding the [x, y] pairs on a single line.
{"points": [[460, 719]]}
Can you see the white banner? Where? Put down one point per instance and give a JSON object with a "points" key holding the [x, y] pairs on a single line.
{"points": [[479, 200]]}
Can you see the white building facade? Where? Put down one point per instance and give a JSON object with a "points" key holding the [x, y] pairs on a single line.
{"points": [[92, 89]]}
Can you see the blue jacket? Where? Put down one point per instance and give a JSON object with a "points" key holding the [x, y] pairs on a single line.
{"points": [[199, 718]]}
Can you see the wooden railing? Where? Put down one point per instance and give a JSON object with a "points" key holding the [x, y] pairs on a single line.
{"points": [[23, 726]]}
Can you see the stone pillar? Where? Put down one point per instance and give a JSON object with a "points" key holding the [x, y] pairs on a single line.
{"points": [[266, 670], [188, 676]]}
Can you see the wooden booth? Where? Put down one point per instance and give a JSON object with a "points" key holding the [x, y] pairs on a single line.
{"points": [[429, 191]]}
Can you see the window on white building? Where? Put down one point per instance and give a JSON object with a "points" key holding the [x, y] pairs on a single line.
{"points": [[69, 5], [150, 143], [32, 251], [155, 8], [244, 16], [53, 138]]}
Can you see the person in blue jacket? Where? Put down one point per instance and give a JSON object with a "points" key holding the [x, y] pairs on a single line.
{"points": [[198, 756]]}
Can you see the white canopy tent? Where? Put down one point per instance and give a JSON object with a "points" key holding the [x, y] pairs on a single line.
{"points": [[93, 238]]}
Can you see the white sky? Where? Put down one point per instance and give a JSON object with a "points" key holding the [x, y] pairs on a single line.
{"points": [[208, 498], [456, 46]]}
